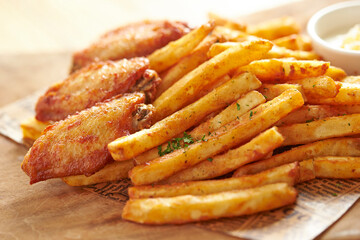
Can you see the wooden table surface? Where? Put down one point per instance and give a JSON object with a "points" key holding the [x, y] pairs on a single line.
{"points": [[53, 210]]}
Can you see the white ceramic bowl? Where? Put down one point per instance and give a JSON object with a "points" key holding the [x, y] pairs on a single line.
{"points": [[334, 20]]}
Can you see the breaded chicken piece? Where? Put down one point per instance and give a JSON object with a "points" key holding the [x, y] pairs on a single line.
{"points": [[133, 40], [92, 84], [78, 144]]}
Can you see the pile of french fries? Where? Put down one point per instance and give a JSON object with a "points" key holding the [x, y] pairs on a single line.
{"points": [[230, 95]]}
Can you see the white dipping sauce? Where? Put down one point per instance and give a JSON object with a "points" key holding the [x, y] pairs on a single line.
{"points": [[338, 38]]}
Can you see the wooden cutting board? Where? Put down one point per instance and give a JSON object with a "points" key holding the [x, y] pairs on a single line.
{"points": [[53, 210]]}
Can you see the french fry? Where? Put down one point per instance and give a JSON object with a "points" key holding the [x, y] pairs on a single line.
{"points": [[167, 56], [222, 164], [328, 147], [288, 173], [294, 42], [307, 171], [351, 79], [309, 113], [339, 126], [186, 64], [283, 70], [318, 87], [230, 35], [274, 28], [348, 94], [187, 89], [188, 208], [337, 167], [271, 91], [32, 129], [111, 172], [275, 52], [218, 48], [349, 109], [281, 52], [130, 146], [335, 73], [236, 133], [236, 109], [228, 23]]}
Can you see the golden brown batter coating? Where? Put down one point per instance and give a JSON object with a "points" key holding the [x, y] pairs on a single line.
{"points": [[78, 144], [133, 40], [84, 88]]}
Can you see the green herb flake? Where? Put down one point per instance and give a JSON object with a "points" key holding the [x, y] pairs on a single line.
{"points": [[203, 138], [168, 148], [175, 144], [334, 194], [238, 106], [251, 114], [210, 159], [187, 138], [160, 151]]}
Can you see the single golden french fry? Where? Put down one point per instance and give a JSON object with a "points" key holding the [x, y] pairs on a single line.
{"points": [[328, 147], [218, 48], [130, 146], [188, 88], [222, 164], [309, 113], [349, 94], [236, 109], [339, 126], [186, 64], [307, 170], [188, 208], [228, 23], [271, 91], [111, 172], [220, 81], [167, 56], [294, 42], [234, 134], [32, 129], [281, 52], [337, 167], [335, 73], [349, 109], [274, 28], [288, 173], [275, 52], [283, 70], [226, 34], [318, 87], [351, 79]]}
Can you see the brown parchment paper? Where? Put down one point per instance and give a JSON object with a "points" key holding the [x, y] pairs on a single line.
{"points": [[320, 203]]}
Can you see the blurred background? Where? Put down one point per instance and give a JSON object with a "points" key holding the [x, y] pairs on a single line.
{"points": [[50, 26]]}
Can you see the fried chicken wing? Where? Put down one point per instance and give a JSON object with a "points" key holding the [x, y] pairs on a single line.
{"points": [[78, 144], [95, 83], [133, 40]]}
